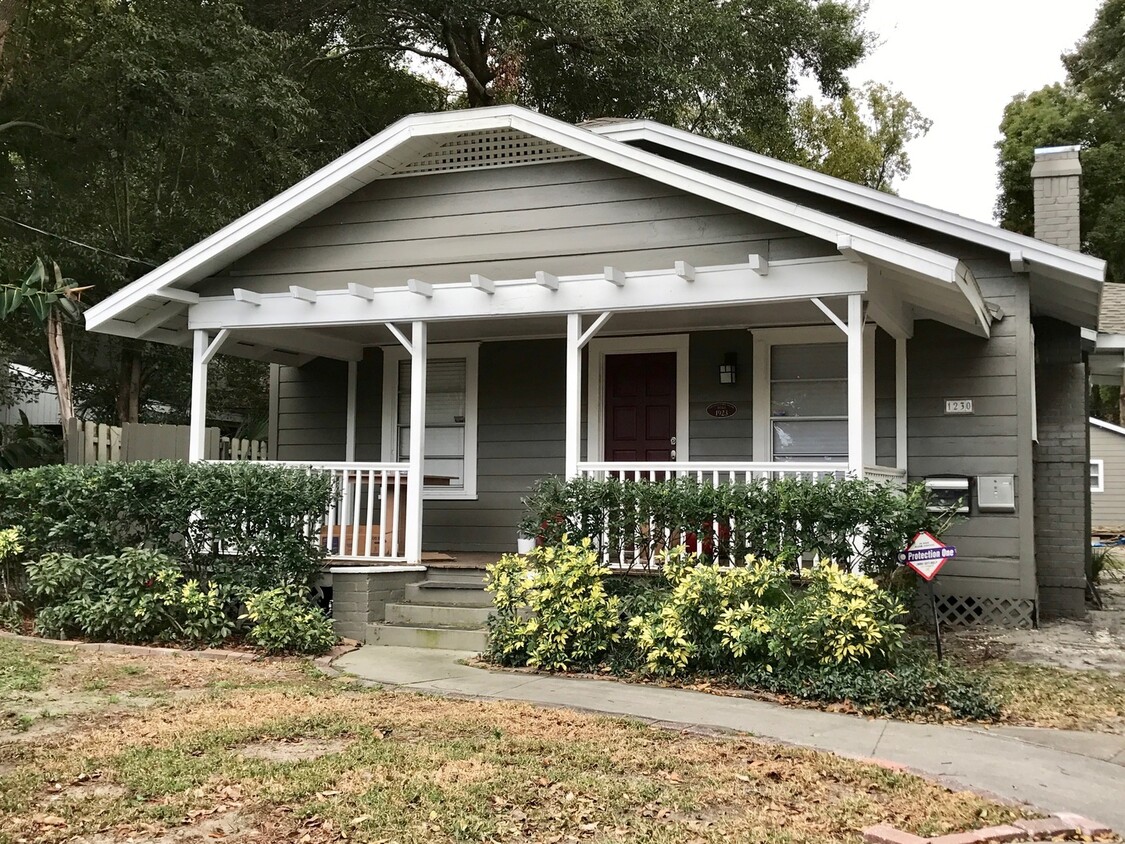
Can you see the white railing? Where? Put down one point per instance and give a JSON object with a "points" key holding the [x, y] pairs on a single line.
{"points": [[367, 519], [885, 475], [714, 473]]}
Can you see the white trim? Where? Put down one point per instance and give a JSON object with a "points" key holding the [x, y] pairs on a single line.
{"points": [[1099, 484], [869, 455], [197, 427], [373, 569], [350, 432], [901, 442], [857, 415], [764, 341], [415, 491], [381, 155], [392, 355], [994, 237], [1109, 426], [595, 397], [573, 401]]}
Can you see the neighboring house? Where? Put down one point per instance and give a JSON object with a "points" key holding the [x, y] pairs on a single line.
{"points": [[37, 398], [516, 297], [1107, 477]]}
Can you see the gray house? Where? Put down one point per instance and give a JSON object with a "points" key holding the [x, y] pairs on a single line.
{"points": [[470, 301], [1107, 477]]}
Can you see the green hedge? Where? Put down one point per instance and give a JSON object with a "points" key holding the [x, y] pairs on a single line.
{"points": [[779, 520], [237, 524]]}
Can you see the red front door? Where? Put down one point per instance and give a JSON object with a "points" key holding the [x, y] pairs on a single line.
{"points": [[640, 407]]}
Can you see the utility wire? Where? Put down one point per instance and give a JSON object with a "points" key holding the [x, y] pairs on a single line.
{"points": [[76, 242]]}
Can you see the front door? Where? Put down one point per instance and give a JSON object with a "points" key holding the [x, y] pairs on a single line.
{"points": [[640, 407]]}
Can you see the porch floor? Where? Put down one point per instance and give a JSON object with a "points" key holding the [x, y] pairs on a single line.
{"points": [[432, 559]]}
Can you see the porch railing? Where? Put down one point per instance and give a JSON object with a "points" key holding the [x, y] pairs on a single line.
{"points": [[714, 473], [366, 521]]}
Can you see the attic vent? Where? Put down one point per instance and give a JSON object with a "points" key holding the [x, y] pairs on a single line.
{"points": [[482, 150]]}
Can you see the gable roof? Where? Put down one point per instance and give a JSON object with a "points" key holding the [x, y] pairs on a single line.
{"points": [[164, 293], [1107, 426]]}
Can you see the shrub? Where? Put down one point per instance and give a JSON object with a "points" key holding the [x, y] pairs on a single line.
{"points": [[922, 687], [783, 520], [138, 596], [552, 608], [285, 621], [720, 619], [11, 576], [238, 524]]}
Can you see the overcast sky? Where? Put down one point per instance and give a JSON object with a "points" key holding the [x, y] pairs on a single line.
{"points": [[960, 62]]}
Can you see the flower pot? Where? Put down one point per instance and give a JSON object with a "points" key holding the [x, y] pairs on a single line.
{"points": [[525, 544]]}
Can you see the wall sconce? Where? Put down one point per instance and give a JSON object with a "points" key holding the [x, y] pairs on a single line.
{"points": [[728, 369]]}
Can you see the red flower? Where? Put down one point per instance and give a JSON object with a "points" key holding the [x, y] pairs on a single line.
{"points": [[150, 583]]}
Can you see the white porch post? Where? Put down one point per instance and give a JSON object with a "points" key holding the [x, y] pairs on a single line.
{"points": [[197, 436], [857, 417], [349, 436], [900, 403], [416, 478], [573, 393]]}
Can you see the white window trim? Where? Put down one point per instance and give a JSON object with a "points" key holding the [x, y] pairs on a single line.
{"points": [[764, 341], [602, 346], [392, 356], [1099, 485]]}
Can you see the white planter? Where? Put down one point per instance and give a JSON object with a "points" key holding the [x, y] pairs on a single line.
{"points": [[525, 544]]}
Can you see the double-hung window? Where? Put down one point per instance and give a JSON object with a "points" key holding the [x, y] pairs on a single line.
{"points": [[450, 463], [1097, 476], [809, 402]]}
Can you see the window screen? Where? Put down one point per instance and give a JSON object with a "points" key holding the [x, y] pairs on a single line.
{"points": [[809, 402], [445, 420]]}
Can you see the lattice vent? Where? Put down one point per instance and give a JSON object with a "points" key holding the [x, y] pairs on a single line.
{"points": [[965, 611], [486, 149]]}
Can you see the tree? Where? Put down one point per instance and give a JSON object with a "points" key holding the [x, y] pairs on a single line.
{"points": [[52, 301], [862, 137], [1087, 109]]}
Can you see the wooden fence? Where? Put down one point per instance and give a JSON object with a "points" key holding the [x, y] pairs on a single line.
{"points": [[91, 442]]}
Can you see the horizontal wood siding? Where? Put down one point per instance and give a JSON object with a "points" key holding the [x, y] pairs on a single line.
{"points": [[944, 363], [1108, 506], [729, 438], [886, 443], [567, 218], [312, 411]]}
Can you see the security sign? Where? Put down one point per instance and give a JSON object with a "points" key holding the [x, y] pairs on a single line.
{"points": [[926, 554]]}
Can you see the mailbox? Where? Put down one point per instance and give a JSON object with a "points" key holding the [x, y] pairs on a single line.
{"points": [[996, 493], [948, 491]]}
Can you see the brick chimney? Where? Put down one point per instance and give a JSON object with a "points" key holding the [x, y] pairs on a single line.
{"points": [[1055, 178]]}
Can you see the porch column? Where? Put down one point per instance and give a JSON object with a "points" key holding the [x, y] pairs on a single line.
{"points": [[573, 393], [416, 478], [857, 419], [900, 403], [349, 434], [197, 429]]}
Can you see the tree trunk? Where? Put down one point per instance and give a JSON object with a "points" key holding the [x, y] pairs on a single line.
{"points": [[56, 346], [129, 387]]}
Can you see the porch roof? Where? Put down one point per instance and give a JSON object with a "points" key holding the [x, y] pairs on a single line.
{"points": [[157, 306]]}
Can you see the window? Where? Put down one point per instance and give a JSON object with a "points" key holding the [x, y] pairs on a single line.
{"points": [[451, 417], [809, 402], [1097, 476]]}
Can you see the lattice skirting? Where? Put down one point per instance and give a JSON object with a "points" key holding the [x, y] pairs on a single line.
{"points": [[969, 611]]}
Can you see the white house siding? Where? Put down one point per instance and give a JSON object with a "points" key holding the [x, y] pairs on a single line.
{"points": [[1108, 506]]}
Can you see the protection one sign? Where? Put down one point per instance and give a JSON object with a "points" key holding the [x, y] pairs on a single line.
{"points": [[926, 554]]}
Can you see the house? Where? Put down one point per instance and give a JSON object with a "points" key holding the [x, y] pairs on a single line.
{"points": [[515, 297], [1107, 477], [36, 398]]}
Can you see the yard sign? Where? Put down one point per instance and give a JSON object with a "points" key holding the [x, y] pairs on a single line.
{"points": [[926, 554]]}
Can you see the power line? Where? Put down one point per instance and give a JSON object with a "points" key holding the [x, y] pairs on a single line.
{"points": [[76, 242]]}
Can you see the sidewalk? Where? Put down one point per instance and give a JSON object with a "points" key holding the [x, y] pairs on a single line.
{"points": [[1050, 769]]}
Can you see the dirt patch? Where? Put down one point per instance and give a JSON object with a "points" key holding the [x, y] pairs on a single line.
{"points": [[228, 826], [1096, 643], [293, 750], [85, 787]]}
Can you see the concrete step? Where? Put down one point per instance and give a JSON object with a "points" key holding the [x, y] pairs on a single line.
{"points": [[453, 593], [458, 573], [438, 615], [434, 638]]}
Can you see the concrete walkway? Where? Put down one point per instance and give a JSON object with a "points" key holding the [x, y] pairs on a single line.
{"points": [[1050, 769]]}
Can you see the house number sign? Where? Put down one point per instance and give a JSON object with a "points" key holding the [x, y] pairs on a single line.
{"points": [[958, 406], [721, 409]]}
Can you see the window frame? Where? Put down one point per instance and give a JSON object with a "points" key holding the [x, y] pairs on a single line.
{"points": [[1100, 466], [470, 352]]}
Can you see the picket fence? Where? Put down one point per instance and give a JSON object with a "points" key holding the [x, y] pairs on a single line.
{"points": [[93, 442]]}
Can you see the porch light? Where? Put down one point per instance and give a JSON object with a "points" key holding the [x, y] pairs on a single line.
{"points": [[728, 369]]}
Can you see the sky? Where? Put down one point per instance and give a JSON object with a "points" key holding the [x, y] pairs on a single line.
{"points": [[960, 62]]}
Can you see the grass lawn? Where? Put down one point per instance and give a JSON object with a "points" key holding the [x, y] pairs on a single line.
{"points": [[103, 749]]}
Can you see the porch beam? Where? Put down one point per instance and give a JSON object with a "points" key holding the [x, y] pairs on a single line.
{"points": [[759, 265], [857, 417], [828, 312], [176, 294], [574, 393], [416, 478], [482, 283], [361, 291], [615, 276], [303, 294], [248, 297], [197, 425], [304, 341], [796, 280], [420, 288], [685, 271], [156, 318]]}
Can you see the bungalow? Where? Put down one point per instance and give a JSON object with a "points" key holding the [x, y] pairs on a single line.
{"points": [[473, 300]]}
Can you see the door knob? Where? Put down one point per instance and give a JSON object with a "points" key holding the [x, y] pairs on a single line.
{"points": [[673, 454]]}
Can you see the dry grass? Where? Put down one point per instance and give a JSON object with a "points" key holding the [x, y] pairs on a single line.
{"points": [[375, 766], [1042, 696]]}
